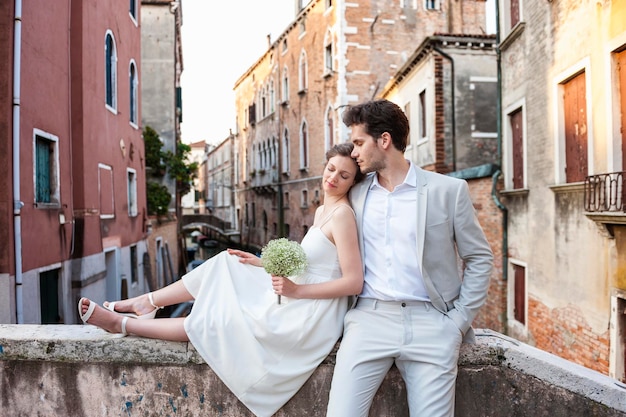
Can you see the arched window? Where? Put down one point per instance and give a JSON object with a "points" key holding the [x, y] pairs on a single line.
{"points": [[329, 131], [110, 71], [302, 73], [304, 146], [274, 154], [133, 92]]}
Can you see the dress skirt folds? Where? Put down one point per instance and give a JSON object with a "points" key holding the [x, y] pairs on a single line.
{"points": [[263, 351]]}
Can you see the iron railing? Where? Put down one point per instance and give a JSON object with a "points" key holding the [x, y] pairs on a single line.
{"points": [[605, 192]]}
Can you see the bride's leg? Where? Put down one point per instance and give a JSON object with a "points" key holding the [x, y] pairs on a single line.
{"points": [[165, 329], [174, 293]]}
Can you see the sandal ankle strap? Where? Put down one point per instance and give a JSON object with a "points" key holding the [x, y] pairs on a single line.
{"points": [[152, 301]]}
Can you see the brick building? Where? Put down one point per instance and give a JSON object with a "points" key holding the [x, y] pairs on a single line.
{"points": [[563, 115], [289, 101], [72, 193]]}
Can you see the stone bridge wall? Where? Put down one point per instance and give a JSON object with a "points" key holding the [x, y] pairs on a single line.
{"points": [[76, 370]]}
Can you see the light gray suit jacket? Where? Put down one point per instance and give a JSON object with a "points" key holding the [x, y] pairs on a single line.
{"points": [[447, 226]]}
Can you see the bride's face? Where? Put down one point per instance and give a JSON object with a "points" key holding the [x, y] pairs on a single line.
{"points": [[339, 175]]}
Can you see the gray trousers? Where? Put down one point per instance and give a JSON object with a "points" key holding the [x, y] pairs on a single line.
{"points": [[423, 343]]}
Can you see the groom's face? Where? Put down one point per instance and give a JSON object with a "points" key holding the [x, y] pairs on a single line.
{"points": [[366, 152]]}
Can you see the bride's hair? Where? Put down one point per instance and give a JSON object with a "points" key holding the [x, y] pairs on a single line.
{"points": [[345, 149]]}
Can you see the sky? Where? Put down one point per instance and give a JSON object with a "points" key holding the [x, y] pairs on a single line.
{"points": [[221, 40]]}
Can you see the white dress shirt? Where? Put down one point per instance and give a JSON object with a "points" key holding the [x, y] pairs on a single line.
{"points": [[392, 270]]}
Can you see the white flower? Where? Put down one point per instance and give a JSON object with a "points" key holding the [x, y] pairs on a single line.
{"points": [[284, 258]]}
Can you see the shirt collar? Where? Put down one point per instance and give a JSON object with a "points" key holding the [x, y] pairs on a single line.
{"points": [[409, 181]]}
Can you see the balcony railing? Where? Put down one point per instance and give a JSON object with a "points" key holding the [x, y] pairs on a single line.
{"points": [[605, 192]]}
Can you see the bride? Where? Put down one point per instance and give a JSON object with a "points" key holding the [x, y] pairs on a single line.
{"points": [[236, 322]]}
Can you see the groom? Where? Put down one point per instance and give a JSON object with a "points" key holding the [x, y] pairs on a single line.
{"points": [[415, 308]]}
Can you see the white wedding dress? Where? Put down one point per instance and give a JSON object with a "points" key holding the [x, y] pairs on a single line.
{"points": [[264, 352]]}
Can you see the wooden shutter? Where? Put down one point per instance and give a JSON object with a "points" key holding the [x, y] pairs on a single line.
{"points": [[517, 147], [520, 293], [575, 113]]}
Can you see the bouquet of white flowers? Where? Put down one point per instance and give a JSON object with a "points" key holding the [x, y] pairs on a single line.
{"points": [[284, 258]]}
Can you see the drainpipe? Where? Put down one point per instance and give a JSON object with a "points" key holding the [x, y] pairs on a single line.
{"points": [[494, 194], [452, 93], [17, 204]]}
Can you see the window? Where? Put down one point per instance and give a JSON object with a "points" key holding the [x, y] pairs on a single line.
{"points": [[620, 67], [46, 169], [514, 12], [132, 191], [272, 97], [286, 200], [516, 124], [575, 128], [304, 199], [328, 53], [511, 14], [484, 92], [431, 4], [330, 129], [105, 189], [519, 293], [134, 279], [110, 71], [304, 146], [263, 103], [328, 4], [285, 155], [302, 27], [423, 132], [252, 114], [133, 92], [285, 91], [302, 73], [132, 10], [284, 44], [49, 296]]}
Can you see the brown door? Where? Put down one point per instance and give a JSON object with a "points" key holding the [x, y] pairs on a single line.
{"points": [[621, 76], [575, 109]]}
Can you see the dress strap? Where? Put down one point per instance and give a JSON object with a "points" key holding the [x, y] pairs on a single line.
{"points": [[330, 215]]}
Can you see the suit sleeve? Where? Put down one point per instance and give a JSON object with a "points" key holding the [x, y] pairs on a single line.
{"points": [[477, 257]]}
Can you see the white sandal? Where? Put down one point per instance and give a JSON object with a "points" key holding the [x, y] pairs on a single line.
{"points": [[111, 307], [89, 312]]}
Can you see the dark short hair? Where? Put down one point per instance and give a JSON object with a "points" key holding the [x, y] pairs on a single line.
{"points": [[345, 149], [378, 117]]}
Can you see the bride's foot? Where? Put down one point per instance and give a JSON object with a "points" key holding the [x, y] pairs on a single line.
{"points": [[141, 307], [92, 313]]}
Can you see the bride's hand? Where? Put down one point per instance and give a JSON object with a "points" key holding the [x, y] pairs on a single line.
{"points": [[245, 257], [284, 286]]}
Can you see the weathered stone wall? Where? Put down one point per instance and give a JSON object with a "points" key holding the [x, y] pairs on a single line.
{"points": [[84, 371]]}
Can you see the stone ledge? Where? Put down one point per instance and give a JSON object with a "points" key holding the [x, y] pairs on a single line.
{"points": [[50, 370]]}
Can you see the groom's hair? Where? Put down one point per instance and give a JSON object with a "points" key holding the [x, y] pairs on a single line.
{"points": [[378, 117]]}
